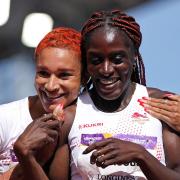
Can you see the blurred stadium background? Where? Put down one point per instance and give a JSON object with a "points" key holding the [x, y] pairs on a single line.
{"points": [[23, 23]]}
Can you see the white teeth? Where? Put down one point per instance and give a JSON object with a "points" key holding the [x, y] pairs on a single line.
{"points": [[108, 81]]}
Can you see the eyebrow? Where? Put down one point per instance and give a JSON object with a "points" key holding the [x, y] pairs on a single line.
{"points": [[59, 69]]}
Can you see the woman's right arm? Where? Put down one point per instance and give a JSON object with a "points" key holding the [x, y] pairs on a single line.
{"points": [[34, 147]]}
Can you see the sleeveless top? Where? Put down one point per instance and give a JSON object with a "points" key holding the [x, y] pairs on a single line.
{"points": [[131, 124], [14, 118]]}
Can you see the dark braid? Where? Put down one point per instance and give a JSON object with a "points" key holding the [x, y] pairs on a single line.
{"points": [[125, 23]]}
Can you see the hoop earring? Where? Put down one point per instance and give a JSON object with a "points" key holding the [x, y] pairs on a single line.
{"points": [[88, 80]]}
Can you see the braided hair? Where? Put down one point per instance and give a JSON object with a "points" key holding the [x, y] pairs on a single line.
{"points": [[60, 37], [128, 25]]}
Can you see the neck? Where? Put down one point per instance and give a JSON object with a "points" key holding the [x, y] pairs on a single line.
{"points": [[113, 105], [36, 109]]}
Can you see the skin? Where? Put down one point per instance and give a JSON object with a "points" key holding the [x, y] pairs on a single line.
{"points": [[110, 62], [110, 69], [167, 109], [57, 81]]}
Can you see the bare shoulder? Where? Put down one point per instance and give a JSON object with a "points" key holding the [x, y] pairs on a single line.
{"points": [[156, 93]]}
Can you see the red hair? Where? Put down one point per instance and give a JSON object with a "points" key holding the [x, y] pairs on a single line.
{"points": [[61, 38]]}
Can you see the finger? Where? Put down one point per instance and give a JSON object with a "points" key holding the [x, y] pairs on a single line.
{"points": [[160, 101], [55, 124], [48, 136], [150, 99], [160, 114], [163, 108], [118, 160], [100, 160], [166, 104], [174, 97], [167, 117], [96, 154], [167, 101], [97, 145], [163, 118], [58, 112], [53, 134], [46, 117], [48, 140]]}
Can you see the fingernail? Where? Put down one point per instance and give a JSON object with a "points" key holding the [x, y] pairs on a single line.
{"points": [[58, 112], [145, 98], [141, 104], [145, 109], [61, 105], [168, 94], [139, 100]]}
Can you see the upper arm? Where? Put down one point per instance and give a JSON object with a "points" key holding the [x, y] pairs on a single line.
{"points": [[59, 168], [171, 142], [156, 93]]}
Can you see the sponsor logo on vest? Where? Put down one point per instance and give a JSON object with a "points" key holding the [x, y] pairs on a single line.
{"points": [[81, 126], [115, 177], [87, 139], [140, 118]]}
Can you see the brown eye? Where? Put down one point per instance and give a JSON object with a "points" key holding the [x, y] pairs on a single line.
{"points": [[95, 60], [64, 75], [43, 73], [117, 58]]}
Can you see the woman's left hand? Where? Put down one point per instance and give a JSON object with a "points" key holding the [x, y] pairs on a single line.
{"points": [[113, 151], [167, 110]]}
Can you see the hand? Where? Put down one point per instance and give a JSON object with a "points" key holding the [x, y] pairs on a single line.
{"points": [[41, 133], [167, 110], [113, 151]]}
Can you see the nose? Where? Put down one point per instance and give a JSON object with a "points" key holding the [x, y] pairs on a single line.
{"points": [[107, 68], [52, 84]]}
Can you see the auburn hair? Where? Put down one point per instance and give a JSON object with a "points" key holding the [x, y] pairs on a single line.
{"points": [[60, 37]]}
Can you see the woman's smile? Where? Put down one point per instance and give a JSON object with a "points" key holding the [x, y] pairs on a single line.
{"points": [[109, 85]]}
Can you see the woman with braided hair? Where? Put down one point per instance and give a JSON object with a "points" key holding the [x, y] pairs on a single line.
{"points": [[31, 129], [112, 136]]}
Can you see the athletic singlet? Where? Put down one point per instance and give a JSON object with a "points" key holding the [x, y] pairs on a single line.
{"points": [[14, 118], [131, 124]]}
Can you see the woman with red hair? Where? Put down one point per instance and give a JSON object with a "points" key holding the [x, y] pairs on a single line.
{"points": [[31, 128]]}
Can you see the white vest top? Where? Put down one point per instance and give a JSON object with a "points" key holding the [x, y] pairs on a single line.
{"points": [[14, 118], [131, 124]]}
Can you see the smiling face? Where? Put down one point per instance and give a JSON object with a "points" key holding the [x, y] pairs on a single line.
{"points": [[57, 78], [110, 60]]}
